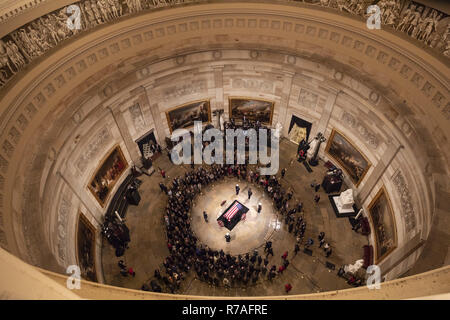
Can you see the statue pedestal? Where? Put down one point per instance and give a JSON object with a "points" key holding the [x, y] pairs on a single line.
{"points": [[343, 204]]}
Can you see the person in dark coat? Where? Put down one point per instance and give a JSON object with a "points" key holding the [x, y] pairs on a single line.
{"points": [[259, 260], [237, 189], [316, 198], [155, 286], [296, 249], [321, 235], [287, 287]]}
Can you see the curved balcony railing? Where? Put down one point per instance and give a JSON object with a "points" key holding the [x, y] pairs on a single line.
{"points": [[427, 25]]}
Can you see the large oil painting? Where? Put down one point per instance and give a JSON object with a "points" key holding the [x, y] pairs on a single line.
{"points": [[107, 175], [86, 248], [383, 223], [183, 117], [349, 157], [251, 109]]}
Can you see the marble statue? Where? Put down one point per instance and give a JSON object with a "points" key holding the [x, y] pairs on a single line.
{"points": [[353, 268], [278, 128], [312, 148], [345, 200], [222, 122]]}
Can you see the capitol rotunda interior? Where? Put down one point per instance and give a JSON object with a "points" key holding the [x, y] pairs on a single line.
{"points": [[354, 94]]}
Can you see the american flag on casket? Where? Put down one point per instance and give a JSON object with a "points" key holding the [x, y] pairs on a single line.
{"points": [[232, 215]]}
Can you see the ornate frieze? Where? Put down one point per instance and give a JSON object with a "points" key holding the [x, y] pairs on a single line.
{"points": [[61, 227], [137, 117], [308, 99], [254, 84], [369, 137], [34, 39], [93, 148], [406, 200], [183, 90]]}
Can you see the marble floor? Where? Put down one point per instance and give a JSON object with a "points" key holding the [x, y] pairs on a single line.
{"points": [[247, 235], [306, 274]]}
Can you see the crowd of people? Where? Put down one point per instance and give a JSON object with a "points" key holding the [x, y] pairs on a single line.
{"points": [[215, 266]]}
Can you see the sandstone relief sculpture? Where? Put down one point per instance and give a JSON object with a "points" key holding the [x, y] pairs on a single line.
{"points": [[34, 39]]}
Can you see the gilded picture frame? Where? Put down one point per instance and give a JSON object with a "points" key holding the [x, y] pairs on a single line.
{"points": [[183, 116], [85, 248], [111, 168], [383, 224], [351, 159], [237, 109]]}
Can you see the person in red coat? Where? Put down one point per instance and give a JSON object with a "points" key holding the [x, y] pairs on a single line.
{"points": [[281, 269], [287, 287], [284, 256]]}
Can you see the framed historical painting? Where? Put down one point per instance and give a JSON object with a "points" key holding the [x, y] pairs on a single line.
{"points": [[85, 242], [383, 222], [106, 176], [348, 156], [183, 117], [251, 109]]}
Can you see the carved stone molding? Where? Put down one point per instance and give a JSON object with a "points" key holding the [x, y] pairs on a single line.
{"points": [[174, 92], [21, 46], [350, 121], [291, 59], [61, 227], [260, 85], [93, 148], [406, 200], [217, 55], [308, 99], [137, 117]]}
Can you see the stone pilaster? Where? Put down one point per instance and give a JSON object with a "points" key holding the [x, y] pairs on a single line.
{"points": [[326, 114], [386, 159], [75, 191], [131, 146], [156, 114], [218, 84], [284, 103]]}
